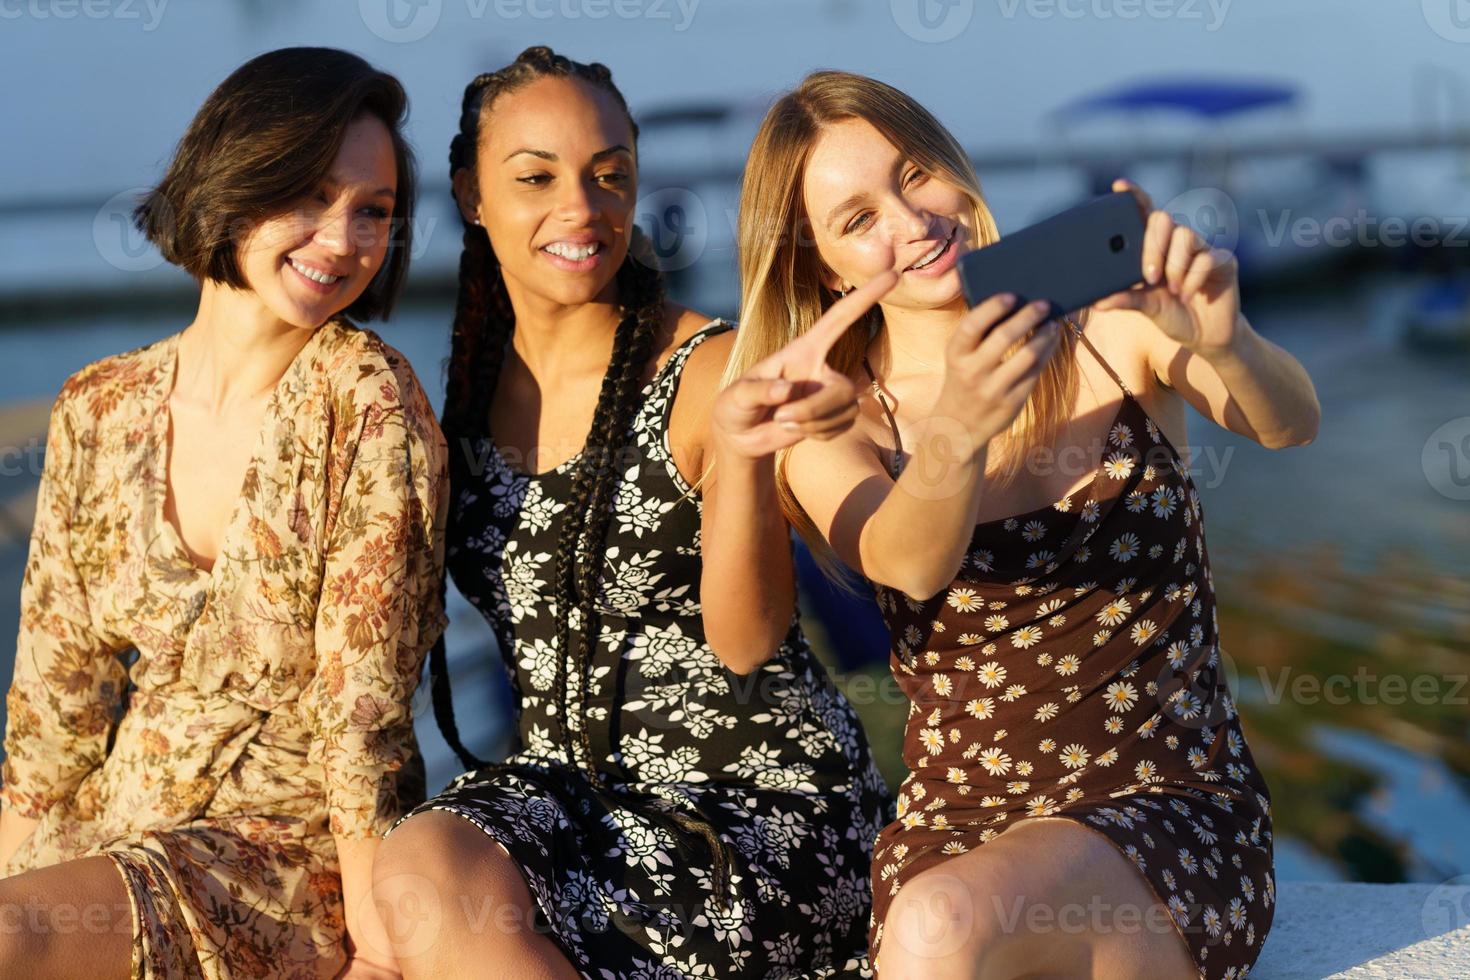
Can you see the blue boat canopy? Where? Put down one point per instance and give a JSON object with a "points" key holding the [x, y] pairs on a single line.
{"points": [[1201, 97]]}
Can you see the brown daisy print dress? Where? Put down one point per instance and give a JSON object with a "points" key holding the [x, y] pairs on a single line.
{"points": [[1073, 669], [268, 706]]}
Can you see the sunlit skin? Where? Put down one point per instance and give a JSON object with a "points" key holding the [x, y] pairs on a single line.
{"points": [[242, 340], [873, 211], [555, 164], [956, 379], [230, 358]]}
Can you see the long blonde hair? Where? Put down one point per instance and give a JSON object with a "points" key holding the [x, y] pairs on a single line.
{"points": [[781, 290]]}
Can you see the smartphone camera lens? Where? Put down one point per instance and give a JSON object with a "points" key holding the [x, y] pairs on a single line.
{"points": [[1116, 243]]}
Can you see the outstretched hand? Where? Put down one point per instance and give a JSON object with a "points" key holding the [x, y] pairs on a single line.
{"points": [[794, 394]]}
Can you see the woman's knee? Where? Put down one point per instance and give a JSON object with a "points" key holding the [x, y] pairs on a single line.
{"points": [[973, 916], [438, 872], [935, 927], [65, 919]]}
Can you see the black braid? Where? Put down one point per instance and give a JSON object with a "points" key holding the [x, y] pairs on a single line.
{"points": [[483, 323]]}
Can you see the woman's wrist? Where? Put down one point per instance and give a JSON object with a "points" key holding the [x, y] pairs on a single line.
{"points": [[735, 463]]}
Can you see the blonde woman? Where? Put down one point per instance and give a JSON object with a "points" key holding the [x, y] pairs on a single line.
{"points": [[1072, 745]]}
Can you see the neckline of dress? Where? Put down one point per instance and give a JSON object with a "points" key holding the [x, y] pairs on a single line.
{"points": [[1089, 488], [161, 421], [564, 467]]}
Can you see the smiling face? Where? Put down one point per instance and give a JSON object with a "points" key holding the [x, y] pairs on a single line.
{"points": [[872, 209], [314, 260], [555, 186]]}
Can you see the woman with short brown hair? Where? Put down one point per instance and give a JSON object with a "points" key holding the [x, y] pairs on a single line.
{"points": [[255, 505]]}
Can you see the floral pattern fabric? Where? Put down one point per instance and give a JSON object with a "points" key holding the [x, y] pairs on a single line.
{"points": [[1073, 669], [268, 708], [776, 760]]}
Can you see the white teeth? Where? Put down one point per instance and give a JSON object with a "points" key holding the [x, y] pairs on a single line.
{"points": [[574, 252], [314, 275], [933, 254]]}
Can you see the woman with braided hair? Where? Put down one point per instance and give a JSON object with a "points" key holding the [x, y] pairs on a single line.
{"points": [[667, 811]]}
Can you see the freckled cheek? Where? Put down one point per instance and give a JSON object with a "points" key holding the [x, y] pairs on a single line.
{"points": [[865, 259]]}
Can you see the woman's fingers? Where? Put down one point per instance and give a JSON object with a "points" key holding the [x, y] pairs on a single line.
{"points": [[1145, 203], [1184, 244], [1011, 332], [1156, 236], [806, 356], [980, 320], [1028, 360], [752, 394], [813, 400], [826, 426], [1201, 267]]}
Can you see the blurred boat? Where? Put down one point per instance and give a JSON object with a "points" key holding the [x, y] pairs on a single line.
{"points": [[1438, 318], [1247, 178]]}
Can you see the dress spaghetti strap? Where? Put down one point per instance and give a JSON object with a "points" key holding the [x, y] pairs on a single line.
{"points": [[893, 424]]}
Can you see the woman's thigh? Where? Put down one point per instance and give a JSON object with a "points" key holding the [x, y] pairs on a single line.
{"points": [[1047, 897], [449, 890], [72, 919]]}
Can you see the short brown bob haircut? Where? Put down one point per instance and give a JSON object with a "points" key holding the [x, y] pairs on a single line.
{"points": [[266, 136]]}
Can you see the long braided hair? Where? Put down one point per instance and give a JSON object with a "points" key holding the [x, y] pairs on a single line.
{"points": [[483, 323]]}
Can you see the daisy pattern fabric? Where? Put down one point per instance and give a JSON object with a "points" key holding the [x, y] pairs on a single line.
{"points": [[270, 702], [776, 760], [1073, 670]]}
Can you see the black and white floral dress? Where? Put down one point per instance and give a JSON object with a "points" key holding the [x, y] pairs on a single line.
{"points": [[776, 761]]}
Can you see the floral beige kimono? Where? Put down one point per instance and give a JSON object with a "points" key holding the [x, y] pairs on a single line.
{"points": [[270, 707]]}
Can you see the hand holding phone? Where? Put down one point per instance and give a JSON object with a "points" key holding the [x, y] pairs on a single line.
{"points": [[1070, 260]]}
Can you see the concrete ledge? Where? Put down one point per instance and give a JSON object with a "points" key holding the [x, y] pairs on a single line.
{"points": [[1366, 932]]}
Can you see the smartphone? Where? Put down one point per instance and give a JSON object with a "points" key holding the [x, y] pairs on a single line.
{"points": [[1072, 259]]}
